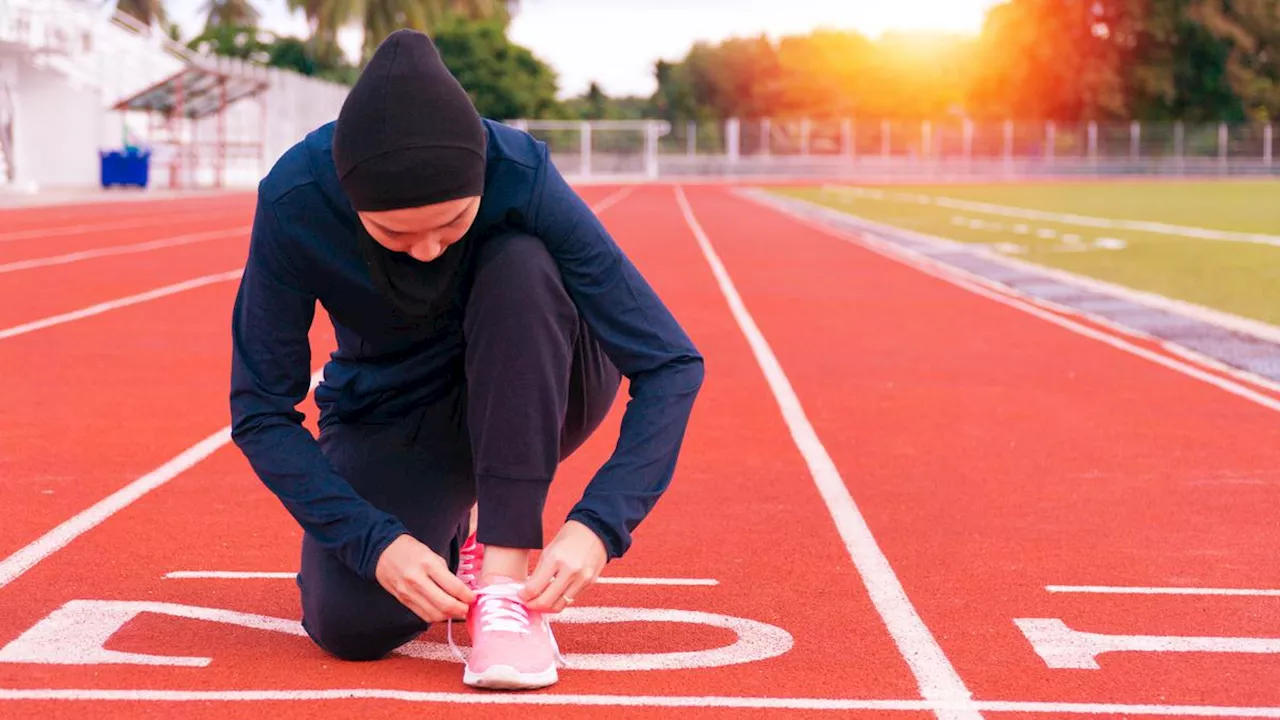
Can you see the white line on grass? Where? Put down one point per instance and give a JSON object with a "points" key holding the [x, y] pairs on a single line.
{"points": [[1094, 222], [1113, 590], [236, 575], [933, 672], [24, 559], [122, 249], [120, 303], [667, 701], [1014, 299]]}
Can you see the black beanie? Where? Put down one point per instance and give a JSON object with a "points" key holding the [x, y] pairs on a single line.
{"points": [[408, 134]]}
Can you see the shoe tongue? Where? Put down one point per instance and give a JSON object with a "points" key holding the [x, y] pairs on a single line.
{"points": [[498, 580]]}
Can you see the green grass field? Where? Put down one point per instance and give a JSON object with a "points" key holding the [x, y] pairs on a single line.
{"points": [[1230, 275]]}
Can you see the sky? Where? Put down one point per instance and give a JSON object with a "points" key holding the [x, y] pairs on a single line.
{"points": [[617, 42]]}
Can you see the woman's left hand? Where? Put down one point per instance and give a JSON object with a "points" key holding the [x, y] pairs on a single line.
{"points": [[566, 568]]}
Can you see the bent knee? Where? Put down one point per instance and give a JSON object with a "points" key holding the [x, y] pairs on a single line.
{"points": [[357, 642]]}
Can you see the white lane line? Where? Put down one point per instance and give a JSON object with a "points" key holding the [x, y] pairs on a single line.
{"points": [[1008, 296], [1236, 323], [86, 229], [23, 560], [669, 701], [933, 672], [613, 199], [122, 249], [120, 303], [236, 575], [228, 575], [673, 582], [1096, 222], [1114, 590]]}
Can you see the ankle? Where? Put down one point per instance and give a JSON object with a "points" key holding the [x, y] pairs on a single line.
{"points": [[504, 562]]}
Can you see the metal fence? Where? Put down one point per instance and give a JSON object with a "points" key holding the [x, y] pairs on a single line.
{"points": [[840, 147]]}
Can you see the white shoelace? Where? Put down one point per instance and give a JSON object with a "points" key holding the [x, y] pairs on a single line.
{"points": [[464, 570], [501, 610]]}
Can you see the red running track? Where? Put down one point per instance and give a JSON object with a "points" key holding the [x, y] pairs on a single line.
{"points": [[991, 453]]}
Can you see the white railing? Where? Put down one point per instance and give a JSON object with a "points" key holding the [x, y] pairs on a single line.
{"points": [[601, 147], [942, 146], [6, 134]]}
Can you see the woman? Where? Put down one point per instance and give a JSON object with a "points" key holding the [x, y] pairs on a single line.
{"points": [[483, 318]]}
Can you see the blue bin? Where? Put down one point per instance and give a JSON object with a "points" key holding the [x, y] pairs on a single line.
{"points": [[128, 167]]}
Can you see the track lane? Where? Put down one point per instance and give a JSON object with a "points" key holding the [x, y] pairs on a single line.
{"points": [[742, 510], [994, 454], [60, 218]]}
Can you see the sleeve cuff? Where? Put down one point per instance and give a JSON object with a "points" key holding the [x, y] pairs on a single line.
{"points": [[615, 543]]}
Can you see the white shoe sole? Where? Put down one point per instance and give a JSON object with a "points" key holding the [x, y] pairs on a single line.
{"points": [[505, 677]]}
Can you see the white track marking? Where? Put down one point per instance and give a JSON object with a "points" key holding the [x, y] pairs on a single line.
{"points": [[756, 641], [77, 634], [1094, 222], [613, 199], [675, 582], [1063, 648], [1007, 296], [120, 303], [1235, 323], [87, 229], [667, 701], [933, 672], [1114, 590], [235, 575], [228, 575], [23, 560], [122, 249]]}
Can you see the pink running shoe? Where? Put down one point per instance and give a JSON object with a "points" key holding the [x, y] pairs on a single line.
{"points": [[470, 560], [512, 647]]}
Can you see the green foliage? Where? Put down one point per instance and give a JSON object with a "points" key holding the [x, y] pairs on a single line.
{"points": [[236, 13], [145, 11], [245, 43], [504, 80], [1067, 60], [595, 104]]}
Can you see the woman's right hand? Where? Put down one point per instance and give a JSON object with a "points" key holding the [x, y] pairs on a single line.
{"points": [[422, 582]]}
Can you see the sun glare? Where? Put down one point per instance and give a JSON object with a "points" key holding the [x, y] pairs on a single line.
{"points": [[949, 16]]}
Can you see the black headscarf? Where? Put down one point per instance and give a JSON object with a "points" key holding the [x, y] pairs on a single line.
{"points": [[407, 136]]}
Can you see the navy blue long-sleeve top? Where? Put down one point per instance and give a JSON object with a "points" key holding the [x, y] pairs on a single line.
{"points": [[304, 251]]}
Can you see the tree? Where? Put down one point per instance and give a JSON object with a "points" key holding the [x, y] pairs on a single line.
{"points": [[146, 11], [245, 43], [595, 104], [1056, 59], [504, 80], [237, 13]]}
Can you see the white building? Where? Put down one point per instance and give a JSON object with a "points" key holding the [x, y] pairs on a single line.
{"points": [[65, 63]]}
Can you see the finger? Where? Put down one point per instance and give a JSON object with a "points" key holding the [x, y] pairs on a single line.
{"points": [[578, 584], [450, 583], [541, 577], [431, 594], [420, 607], [547, 599]]}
